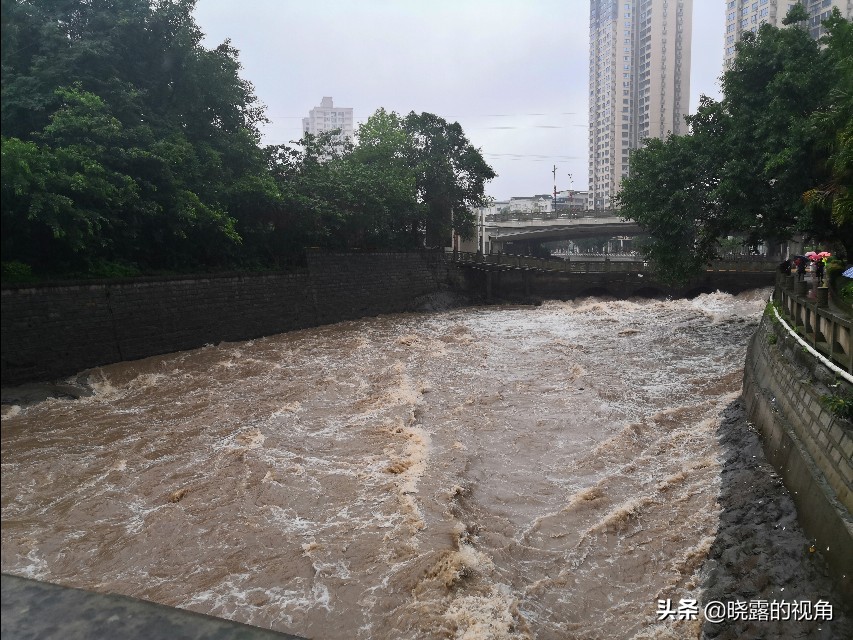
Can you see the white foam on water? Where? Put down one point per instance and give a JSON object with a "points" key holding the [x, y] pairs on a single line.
{"points": [[490, 616], [139, 510], [10, 411], [235, 598], [485, 473], [36, 568]]}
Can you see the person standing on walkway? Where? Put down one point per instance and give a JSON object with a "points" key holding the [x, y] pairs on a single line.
{"points": [[820, 266], [801, 269]]}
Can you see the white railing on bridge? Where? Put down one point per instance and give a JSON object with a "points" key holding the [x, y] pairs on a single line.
{"points": [[598, 255], [523, 216]]}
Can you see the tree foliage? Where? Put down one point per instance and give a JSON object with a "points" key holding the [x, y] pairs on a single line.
{"points": [[126, 138], [125, 141], [833, 130], [767, 161], [450, 173]]}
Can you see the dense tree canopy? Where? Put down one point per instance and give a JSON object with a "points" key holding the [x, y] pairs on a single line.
{"points": [[768, 161], [127, 145]]}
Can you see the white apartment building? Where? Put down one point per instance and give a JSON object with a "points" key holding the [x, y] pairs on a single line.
{"points": [[328, 117], [749, 15], [543, 203], [639, 83]]}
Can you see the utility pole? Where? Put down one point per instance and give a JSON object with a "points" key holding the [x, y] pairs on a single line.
{"points": [[555, 187]]}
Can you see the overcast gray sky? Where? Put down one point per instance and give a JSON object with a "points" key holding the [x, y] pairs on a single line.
{"points": [[513, 73]]}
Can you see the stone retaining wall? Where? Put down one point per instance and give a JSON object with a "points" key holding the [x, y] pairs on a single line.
{"points": [[810, 446], [51, 331]]}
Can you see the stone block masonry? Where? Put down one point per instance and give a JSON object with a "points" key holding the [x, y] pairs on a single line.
{"points": [[54, 331], [809, 445]]}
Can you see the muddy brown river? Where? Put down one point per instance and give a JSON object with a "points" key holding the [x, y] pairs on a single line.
{"points": [[480, 473]]}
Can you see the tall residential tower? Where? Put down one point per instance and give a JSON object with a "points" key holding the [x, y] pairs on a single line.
{"points": [[749, 15], [639, 83]]}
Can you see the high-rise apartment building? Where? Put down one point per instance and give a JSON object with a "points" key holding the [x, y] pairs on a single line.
{"points": [[749, 15], [639, 83], [328, 117]]}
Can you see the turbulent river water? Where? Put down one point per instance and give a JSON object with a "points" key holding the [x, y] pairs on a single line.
{"points": [[491, 472]]}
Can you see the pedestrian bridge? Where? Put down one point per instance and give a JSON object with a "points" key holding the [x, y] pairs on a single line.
{"points": [[511, 276]]}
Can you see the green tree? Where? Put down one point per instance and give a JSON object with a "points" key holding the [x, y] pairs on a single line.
{"points": [[748, 160], [139, 145], [451, 175], [669, 194], [404, 185], [125, 141], [777, 81], [384, 150], [833, 129]]}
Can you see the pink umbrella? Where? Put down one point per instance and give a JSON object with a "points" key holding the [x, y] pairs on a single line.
{"points": [[824, 254], [811, 255]]}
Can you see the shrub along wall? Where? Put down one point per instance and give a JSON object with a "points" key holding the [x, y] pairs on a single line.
{"points": [[52, 331]]}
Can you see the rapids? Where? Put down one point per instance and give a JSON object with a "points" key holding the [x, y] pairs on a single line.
{"points": [[488, 473]]}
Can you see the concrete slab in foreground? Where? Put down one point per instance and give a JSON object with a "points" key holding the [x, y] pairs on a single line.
{"points": [[38, 610]]}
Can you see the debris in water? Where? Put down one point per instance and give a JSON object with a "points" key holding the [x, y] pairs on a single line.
{"points": [[177, 496]]}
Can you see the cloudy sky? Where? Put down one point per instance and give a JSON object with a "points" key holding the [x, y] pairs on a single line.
{"points": [[513, 73]]}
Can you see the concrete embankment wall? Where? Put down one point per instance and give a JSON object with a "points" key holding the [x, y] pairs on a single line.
{"points": [[808, 444], [519, 283], [52, 331]]}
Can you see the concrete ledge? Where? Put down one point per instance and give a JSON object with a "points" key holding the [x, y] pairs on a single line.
{"points": [[38, 610]]}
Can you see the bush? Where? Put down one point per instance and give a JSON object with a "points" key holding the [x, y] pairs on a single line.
{"points": [[15, 271], [839, 405], [846, 291], [834, 269]]}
